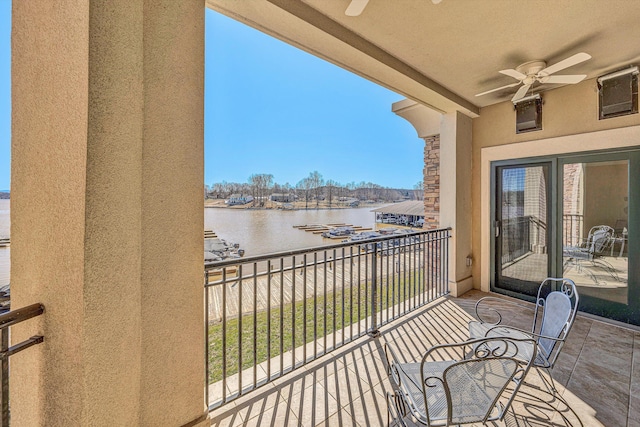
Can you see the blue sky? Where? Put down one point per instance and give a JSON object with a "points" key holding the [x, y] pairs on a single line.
{"points": [[272, 108]]}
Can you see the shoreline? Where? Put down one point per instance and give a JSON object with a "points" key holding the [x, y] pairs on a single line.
{"points": [[294, 206]]}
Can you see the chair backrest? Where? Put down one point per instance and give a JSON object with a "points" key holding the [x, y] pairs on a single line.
{"points": [[556, 307], [620, 227], [599, 238], [473, 385]]}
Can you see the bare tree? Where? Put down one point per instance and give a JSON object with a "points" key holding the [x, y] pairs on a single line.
{"points": [[305, 186], [419, 193], [316, 182], [331, 187], [260, 185]]}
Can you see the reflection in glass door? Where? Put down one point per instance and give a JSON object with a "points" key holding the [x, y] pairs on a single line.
{"points": [[522, 234], [595, 221]]}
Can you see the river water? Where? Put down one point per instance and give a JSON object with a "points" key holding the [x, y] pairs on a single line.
{"points": [[256, 231]]}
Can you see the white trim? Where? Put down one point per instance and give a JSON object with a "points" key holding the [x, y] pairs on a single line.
{"points": [[600, 140]]}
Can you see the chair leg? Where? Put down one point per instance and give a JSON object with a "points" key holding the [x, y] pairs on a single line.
{"points": [[396, 411], [549, 383]]}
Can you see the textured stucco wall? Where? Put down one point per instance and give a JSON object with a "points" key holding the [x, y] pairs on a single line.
{"points": [[455, 196], [48, 183], [107, 211]]}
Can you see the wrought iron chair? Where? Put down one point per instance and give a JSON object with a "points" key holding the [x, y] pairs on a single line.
{"points": [[470, 388], [554, 314], [600, 239]]}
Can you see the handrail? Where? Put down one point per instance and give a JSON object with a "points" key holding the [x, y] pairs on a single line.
{"points": [[7, 320], [257, 258], [20, 315]]}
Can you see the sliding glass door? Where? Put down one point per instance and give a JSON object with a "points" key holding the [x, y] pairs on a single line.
{"points": [[599, 232], [521, 227], [570, 216]]}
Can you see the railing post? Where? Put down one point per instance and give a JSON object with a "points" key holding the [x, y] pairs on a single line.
{"points": [[5, 377], [374, 332]]}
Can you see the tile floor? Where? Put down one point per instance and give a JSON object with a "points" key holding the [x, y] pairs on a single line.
{"points": [[597, 375]]}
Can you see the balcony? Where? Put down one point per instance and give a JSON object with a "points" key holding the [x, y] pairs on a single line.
{"points": [[337, 376]]}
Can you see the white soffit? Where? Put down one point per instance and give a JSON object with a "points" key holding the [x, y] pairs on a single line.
{"points": [[425, 120]]}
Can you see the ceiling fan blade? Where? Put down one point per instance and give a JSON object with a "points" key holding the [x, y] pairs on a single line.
{"points": [[513, 73], [500, 88], [520, 93], [566, 63], [356, 7], [568, 79]]}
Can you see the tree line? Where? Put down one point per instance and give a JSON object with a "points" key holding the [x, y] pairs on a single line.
{"points": [[312, 189]]}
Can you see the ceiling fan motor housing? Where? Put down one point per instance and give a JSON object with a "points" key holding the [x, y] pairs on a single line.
{"points": [[531, 70]]}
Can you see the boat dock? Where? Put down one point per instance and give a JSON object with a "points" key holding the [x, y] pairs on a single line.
{"points": [[322, 228]]}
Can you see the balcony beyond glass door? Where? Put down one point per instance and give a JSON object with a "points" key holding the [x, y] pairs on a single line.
{"points": [[522, 232], [595, 197]]}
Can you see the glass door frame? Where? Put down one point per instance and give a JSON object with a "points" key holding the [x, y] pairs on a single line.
{"points": [[552, 196], [628, 313]]}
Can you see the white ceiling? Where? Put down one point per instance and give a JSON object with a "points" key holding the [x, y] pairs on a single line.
{"points": [[444, 54]]}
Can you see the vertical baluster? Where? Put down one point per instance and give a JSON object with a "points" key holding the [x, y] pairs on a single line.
{"points": [[268, 320], [281, 316], [239, 329], [342, 293], [5, 376], [206, 335], [315, 305], [224, 335], [374, 293], [367, 289], [255, 325], [447, 258], [324, 300], [358, 315], [423, 271], [293, 313], [386, 281], [335, 291], [434, 265], [304, 311], [393, 284]]}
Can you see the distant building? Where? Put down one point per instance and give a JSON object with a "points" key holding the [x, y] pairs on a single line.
{"points": [[283, 197], [349, 201], [409, 213], [239, 199]]}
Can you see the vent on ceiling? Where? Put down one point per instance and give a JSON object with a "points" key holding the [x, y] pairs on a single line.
{"points": [[618, 93], [528, 114]]}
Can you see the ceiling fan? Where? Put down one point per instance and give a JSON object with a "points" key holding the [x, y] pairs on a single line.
{"points": [[356, 7], [537, 71]]}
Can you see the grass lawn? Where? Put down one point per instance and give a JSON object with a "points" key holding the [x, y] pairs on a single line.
{"points": [[343, 308]]}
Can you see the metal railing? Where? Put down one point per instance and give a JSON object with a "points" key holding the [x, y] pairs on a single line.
{"points": [[269, 315], [515, 238], [7, 320], [572, 229]]}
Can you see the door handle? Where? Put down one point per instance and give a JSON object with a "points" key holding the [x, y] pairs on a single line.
{"points": [[497, 228]]}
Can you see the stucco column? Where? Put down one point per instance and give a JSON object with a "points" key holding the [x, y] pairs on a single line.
{"points": [[455, 197], [107, 211]]}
